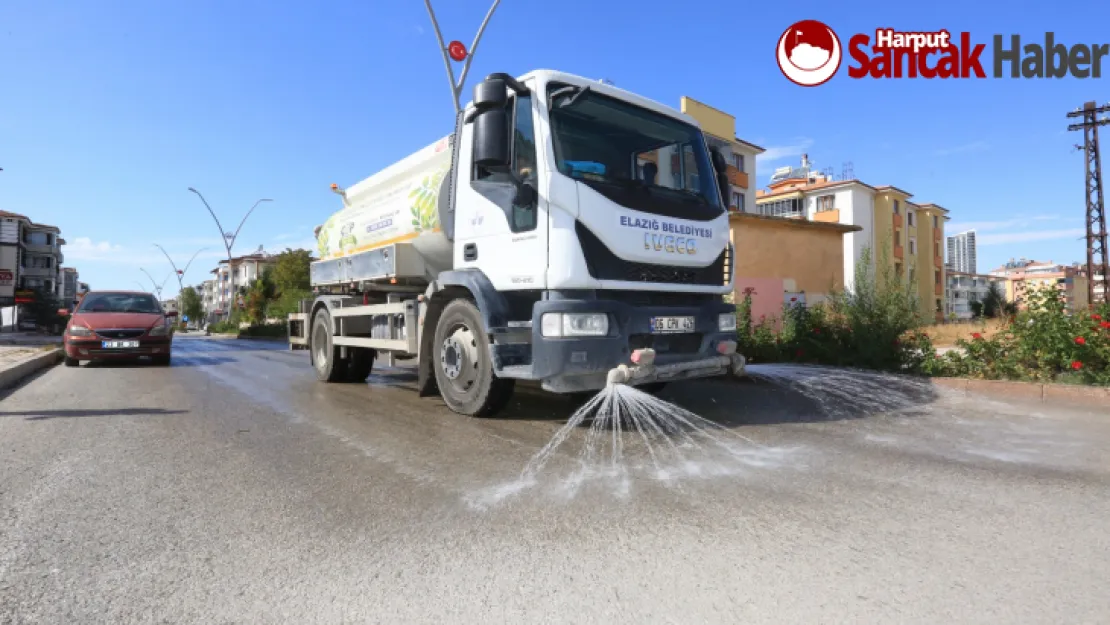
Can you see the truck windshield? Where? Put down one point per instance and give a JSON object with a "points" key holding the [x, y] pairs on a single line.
{"points": [[638, 158]]}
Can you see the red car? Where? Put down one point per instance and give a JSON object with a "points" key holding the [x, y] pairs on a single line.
{"points": [[117, 325]]}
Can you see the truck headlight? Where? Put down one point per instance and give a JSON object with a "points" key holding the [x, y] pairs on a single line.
{"points": [[726, 322], [575, 324]]}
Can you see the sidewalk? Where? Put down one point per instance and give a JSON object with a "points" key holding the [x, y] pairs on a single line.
{"points": [[20, 361], [29, 339]]}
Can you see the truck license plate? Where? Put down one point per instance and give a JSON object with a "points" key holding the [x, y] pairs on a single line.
{"points": [[672, 325], [119, 344]]}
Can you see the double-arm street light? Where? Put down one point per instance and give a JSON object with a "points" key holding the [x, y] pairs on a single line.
{"points": [[180, 273], [157, 287], [229, 237]]}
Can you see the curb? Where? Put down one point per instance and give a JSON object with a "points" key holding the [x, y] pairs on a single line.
{"points": [[1030, 391], [15, 374]]}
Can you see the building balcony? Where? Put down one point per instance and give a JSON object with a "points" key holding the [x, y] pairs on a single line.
{"points": [[38, 272], [937, 262], [938, 289], [897, 220], [937, 234], [736, 177], [828, 216], [41, 249], [899, 252]]}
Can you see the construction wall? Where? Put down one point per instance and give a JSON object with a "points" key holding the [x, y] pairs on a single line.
{"points": [[785, 260]]}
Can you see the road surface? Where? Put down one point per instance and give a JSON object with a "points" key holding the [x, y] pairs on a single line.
{"points": [[234, 488]]}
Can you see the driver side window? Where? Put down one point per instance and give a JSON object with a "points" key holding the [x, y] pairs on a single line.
{"points": [[524, 162]]}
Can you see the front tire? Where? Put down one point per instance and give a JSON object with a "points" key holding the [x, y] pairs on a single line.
{"points": [[162, 360], [460, 357], [325, 355], [71, 362]]}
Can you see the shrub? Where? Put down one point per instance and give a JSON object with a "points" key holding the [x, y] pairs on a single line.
{"points": [[266, 330], [223, 327], [873, 325], [1043, 343]]}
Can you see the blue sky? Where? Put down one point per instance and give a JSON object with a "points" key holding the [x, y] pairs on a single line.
{"points": [[110, 110]]}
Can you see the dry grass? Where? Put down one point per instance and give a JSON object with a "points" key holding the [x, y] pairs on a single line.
{"points": [[945, 335]]}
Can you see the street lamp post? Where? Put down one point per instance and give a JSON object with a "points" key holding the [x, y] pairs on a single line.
{"points": [[180, 273], [228, 239], [456, 51]]}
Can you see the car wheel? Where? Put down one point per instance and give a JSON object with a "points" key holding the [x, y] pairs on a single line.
{"points": [[162, 361], [464, 373], [71, 362]]}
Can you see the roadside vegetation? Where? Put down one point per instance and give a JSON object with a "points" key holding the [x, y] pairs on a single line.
{"points": [[877, 324]]}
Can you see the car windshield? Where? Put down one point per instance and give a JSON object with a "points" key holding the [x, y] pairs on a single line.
{"points": [[120, 303], [641, 159]]}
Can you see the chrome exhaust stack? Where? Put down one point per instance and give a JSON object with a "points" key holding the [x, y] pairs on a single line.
{"points": [[644, 371]]}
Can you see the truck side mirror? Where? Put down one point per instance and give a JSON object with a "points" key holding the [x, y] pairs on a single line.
{"points": [[721, 166], [491, 124]]}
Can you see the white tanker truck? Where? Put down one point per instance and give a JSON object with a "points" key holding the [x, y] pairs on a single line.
{"points": [[567, 232]]}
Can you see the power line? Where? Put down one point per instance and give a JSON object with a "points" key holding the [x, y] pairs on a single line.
{"points": [[1097, 264]]}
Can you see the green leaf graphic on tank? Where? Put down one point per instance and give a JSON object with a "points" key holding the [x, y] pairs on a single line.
{"points": [[322, 238], [347, 236], [424, 198]]}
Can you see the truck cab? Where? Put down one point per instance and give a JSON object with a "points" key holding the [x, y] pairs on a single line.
{"points": [[589, 245]]}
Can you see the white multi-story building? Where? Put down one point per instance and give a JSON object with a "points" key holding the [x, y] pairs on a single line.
{"points": [[30, 263], [961, 252], [963, 289], [231, 279]]}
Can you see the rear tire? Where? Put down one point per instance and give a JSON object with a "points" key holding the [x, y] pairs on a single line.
{"points": [[460, 357], [325, 355], [360, 363], [71, 362]]}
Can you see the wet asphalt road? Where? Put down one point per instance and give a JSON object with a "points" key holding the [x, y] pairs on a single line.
{"points": [[234, 488]]}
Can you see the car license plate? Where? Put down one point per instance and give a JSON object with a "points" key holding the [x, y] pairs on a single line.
{"points": [[672, 325], [120, 344]]}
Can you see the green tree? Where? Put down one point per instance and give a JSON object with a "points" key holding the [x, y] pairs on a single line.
{"points": [[994, 302], [190, 304], [44, 310], [258, 296], [291, 270]]}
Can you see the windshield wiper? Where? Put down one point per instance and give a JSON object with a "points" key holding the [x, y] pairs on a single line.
{"points": [[577, 92]]}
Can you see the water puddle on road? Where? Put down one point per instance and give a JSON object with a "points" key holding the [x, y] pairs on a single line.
{"points": [[628, 436]]}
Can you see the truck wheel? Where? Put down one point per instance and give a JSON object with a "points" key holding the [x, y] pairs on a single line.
{"points": [[360, 363], [325, 356], [460, 356]]}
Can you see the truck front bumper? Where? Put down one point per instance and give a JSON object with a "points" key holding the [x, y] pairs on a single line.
{"points": [[573, 364]]}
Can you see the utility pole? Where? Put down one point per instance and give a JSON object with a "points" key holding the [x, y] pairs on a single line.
{"points": [[1097, 264], [457, 51]]}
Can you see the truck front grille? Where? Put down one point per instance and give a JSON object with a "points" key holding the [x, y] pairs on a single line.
{"points": [[604, 265]]}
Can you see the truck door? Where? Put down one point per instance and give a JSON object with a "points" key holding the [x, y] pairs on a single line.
{"points": [[498, 230]]}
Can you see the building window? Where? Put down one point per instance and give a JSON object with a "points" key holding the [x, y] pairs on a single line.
{"points": [[740, 204], [898, 269], [738, 161], [936, 222], [897, 238], [909, 217], [826, 203], [895, 207], [936, 275], [913, 245]]}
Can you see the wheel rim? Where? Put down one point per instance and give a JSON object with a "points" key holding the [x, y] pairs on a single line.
{"points": [[458, 358], [320, 347]]}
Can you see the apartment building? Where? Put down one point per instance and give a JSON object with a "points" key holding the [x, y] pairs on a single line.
{"points": [[1022, 276], [720, 132], [30, 263], [961, 290], [231, 278], [961, 252], [900, 234]]}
